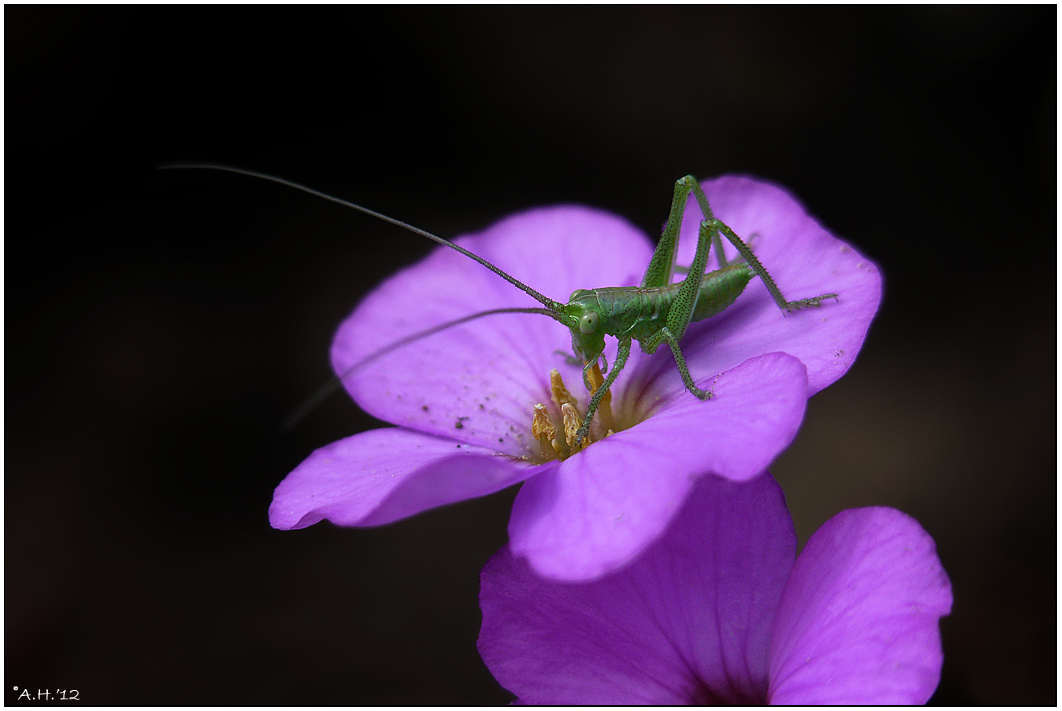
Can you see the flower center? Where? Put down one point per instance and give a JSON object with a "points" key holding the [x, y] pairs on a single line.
{"points": [[557, 436]]}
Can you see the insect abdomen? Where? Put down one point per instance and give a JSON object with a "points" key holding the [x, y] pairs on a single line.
{"points": [[720, 289]]}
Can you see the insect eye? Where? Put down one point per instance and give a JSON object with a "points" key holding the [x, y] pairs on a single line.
{"points": [[588, 323]]}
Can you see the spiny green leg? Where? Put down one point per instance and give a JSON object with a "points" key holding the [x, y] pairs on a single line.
{"points": [[622, 352], [663, 262], [754, 263], [662, 265], [678, 318], [673, 343], [706, 210]]}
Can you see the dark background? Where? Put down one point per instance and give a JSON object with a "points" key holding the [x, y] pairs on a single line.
{"points": [[161, 325]]}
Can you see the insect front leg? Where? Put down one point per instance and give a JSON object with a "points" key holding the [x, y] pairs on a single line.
{"points": [[622, 352]]}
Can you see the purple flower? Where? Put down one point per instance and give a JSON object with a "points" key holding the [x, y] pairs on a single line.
{"points": [[464, 397], [718, 611]]}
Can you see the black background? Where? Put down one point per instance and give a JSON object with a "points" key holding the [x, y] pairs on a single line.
{"points": [[161, 325]]}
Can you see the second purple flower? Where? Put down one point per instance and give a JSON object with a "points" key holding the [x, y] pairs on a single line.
{"points": [[721, 610]]}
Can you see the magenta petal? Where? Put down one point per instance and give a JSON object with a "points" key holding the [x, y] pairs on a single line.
{"points": [[602, 507], [688, 622], [859, 618], [381, 476], [805, 260], [478, 382]]}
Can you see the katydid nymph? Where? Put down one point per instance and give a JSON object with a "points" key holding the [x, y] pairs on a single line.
{"points": [[656, 312]]}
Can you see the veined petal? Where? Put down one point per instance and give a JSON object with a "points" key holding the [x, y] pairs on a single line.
{"points": [[687, 622], [383, 475], [805, 260], [479, 381], [859, 619], [603, 506]]}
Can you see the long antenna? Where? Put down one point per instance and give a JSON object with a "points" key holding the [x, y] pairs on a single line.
{"points": [[549, 303]]}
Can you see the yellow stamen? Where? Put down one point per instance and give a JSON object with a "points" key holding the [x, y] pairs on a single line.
{"points": [[572, 422], [558, 392], [543, 430]]}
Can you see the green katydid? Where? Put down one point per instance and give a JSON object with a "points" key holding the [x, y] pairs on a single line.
{"points": [[656, 312]]}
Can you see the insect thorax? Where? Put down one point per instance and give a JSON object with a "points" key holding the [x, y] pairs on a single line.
{"points": [[626, 311]]}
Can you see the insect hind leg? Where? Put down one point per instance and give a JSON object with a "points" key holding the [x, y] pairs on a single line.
{"points": [[662, 265], [768, 281], [723, 262]]}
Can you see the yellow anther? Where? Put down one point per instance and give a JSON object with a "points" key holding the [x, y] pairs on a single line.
{"points": [[543, 430], [572, 422], [558, 392]]}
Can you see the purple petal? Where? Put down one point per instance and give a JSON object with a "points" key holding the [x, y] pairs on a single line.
{"points": [[859, 619], [602, 507], [805, 261], [381, 476], [688, 622], [479, 381]]}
